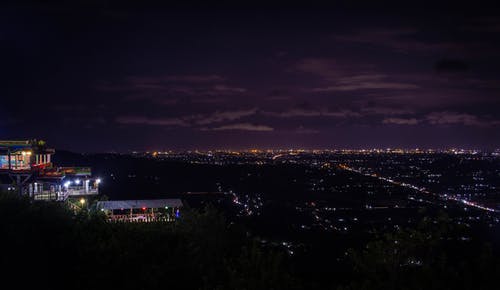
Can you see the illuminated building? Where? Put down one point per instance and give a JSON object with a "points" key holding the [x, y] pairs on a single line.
{"points": [[26, 167], [151, 210]]}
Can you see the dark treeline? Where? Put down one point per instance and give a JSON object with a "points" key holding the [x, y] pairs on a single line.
{"points": [[47, 245]]}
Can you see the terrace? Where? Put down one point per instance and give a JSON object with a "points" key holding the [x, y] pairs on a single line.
{"points": [[27, 163], [149, 210]]}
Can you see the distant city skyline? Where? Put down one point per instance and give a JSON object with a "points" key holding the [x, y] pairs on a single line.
{"points": [[89, 76]]}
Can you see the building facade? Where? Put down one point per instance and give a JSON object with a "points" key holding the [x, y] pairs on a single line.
{"points": [[26, 167]]}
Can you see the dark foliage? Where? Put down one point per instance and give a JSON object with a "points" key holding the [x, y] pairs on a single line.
{"points": [[45, 245], [434, 255]]}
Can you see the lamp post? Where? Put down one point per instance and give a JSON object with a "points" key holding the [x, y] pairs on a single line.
{"points": [[83, 202]]}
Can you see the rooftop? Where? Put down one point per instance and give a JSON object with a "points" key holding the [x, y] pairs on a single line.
{"points": [[133, 204]]}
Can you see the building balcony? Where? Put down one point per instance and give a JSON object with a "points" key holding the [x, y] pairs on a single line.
{"points": [[62, 195], [81, 191]]}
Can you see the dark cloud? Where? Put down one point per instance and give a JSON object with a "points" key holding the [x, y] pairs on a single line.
{"points": [[402, 40], [304, 112], [218, 117], [351, 76], [225, 89], [401, 121], [445, 119], [338, 76], [303, 130], [187, 120], [140, 120], [242, 127], [451, 65], [365, 83], [452, 118]]}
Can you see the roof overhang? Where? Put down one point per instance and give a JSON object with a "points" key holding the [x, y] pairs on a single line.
{"points": [[137, 204]]}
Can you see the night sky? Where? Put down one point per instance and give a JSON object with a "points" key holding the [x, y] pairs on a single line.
{"points": [[111, 76]]}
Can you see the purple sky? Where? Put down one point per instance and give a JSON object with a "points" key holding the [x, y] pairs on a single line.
{"points": [[115, 76]]}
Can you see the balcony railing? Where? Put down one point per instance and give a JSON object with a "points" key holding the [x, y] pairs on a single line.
{"points": [[81, 191], [63, 195], [49, 195]]}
